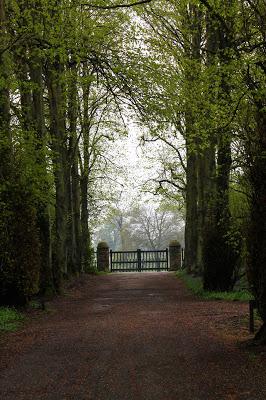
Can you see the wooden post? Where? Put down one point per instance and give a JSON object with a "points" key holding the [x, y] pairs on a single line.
{"points": [[167, 259], [103, 257], [175, 255], [111, 260], [139, 260]]}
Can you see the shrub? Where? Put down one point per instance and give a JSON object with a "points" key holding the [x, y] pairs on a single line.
{"points": [[19, 245]]}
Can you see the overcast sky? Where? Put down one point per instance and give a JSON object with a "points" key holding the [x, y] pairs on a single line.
{"points": [[135, 165]]}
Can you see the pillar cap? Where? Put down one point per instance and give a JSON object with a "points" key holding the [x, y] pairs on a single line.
{"points": [[102, 245], [174, 243]]}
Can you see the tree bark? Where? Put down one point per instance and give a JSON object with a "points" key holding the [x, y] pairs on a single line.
{"points": [[74, 172], [5, 132], [191, 228], [85, 233], [222, 241], [43, 211], [84, 181], [54, 76], [257, 226], [192, 51]]}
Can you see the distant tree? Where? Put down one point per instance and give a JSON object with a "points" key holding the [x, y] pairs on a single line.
{"points": [[152, 228]]}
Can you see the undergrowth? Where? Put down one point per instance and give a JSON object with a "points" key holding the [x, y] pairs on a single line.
{"points": [[101, 272], [10, 319], [195, 285]]}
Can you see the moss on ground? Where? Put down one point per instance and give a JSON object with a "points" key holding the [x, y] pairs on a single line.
{"points": [[10, 319]]}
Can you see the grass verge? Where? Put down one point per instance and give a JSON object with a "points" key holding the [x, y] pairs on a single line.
{"points": [[101, 273], [195, 285], [10, 319]]}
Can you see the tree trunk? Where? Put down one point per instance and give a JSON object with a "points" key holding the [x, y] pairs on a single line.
{"points": [[43, 212], [5, 132], [191, 237], [85, 234], [59, 147], [74, 173], [219, 253], [84, 187], [76, 197], [84, 181], [192, 23], [206, 189], [257, 227], [22, 72]]}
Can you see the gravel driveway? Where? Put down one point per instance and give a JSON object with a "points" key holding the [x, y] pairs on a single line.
{"points": [[132, 336]]}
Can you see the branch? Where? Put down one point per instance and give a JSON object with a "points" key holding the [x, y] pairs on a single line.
{"points": [[159, 137], [137, 3], [234, 112], [161, 181], [11, 44], [177, 151], [215, 14]]}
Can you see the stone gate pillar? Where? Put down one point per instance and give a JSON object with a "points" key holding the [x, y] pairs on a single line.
{"points": [[103, 257], [175, 255]]}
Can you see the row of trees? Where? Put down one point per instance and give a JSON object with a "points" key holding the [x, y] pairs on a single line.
{"points": [[58, 105], [211, 92]]}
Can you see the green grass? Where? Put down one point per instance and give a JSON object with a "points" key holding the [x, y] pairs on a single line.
{"points": [[195, 285], [10, 319], [101, 272]]}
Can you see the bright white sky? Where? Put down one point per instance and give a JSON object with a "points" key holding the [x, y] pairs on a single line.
{"points": [[135, 164]]}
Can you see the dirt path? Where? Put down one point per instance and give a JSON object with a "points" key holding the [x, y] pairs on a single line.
{"points": [[132, 336]]}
